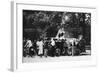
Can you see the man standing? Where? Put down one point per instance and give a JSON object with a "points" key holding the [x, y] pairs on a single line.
{"points": [[40, 47], [28, 45], [46, 48], [53, 47]]}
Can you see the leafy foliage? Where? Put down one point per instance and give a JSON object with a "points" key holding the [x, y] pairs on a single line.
{"points": [[47, 23]]}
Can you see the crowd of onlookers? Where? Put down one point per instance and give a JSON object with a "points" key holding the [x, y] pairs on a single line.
{"points": [[53, 47]]}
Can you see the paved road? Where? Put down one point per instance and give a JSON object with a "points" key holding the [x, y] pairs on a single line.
{"points": [[52, 59]]}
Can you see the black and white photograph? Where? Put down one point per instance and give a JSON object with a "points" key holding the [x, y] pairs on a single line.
{"points": [[52, 35]]}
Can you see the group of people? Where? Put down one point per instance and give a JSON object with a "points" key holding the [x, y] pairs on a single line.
{"points": [[53, 47]]}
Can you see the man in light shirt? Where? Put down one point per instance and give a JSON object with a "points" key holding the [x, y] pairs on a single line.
{"points": [[53, 47], [28, 45], [40, 47]]}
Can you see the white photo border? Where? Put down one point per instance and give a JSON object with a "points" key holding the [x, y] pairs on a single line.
{"points": [[17, 38]]}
